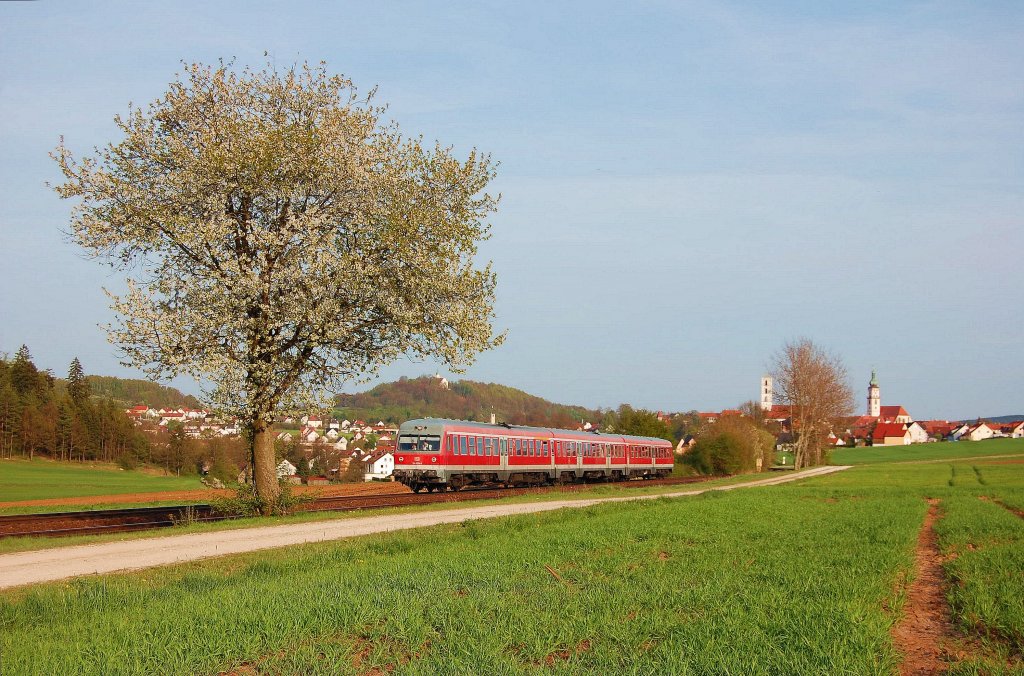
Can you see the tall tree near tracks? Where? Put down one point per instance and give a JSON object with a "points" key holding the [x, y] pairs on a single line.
{"points": [[814, 384], [282, 239]]}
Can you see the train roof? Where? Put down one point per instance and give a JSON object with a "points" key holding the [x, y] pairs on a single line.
{"points": [[554, 431]]}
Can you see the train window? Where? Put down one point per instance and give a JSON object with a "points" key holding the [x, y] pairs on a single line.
{"points": [[487, 446], [544, 446], [519, 446], [472, 445], [531, 444], [415, 442]]}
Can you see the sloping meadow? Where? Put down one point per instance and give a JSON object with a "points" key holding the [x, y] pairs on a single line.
{"points": [[801, 578]]}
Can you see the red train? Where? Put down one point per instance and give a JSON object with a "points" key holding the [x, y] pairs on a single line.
{"points": [[437, 454]]}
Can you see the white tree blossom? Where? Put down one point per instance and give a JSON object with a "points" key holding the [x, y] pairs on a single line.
{"points": [[282, 239]]}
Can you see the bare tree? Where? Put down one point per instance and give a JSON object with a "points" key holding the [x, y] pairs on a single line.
{"points": [[814, 384], [283, 241]]}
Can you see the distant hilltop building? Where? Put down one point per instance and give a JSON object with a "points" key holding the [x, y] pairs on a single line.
{"points": [[442, 382]]}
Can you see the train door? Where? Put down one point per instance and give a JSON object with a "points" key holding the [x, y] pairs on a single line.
{"points": [[503, 453]]}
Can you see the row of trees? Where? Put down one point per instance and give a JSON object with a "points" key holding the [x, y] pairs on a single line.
{"points": [[41, 414], [63, 419]]}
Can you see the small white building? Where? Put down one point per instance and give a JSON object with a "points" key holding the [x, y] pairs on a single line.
{"points": [[916, 433], [979, 432], [285, 469], [379, 466]]}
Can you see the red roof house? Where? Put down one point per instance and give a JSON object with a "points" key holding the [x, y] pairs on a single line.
{"points": [[890, 434]]}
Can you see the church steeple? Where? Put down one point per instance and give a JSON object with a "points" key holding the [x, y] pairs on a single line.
{"points": [[874, 397]]}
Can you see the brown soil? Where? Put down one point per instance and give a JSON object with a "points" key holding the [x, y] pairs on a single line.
{"points": [[1010, 508], [925, 635], [204, 495]]}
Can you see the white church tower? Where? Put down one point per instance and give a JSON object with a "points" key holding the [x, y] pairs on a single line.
{"points": [[766, 393], [874, 397]]}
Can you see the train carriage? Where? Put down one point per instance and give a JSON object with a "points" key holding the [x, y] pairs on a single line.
{"points": [[439, 454]]}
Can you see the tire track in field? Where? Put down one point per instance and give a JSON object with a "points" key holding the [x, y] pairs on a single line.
{"points": [[925, 635], [1019, 513]]}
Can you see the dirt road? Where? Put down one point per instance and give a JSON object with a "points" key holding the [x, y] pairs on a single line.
{"points": [[57, 564]]}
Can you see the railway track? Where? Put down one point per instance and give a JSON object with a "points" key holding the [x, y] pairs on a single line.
{"points": [[62, 524]]}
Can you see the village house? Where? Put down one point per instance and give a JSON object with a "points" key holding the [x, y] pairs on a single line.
{"points": [[379, 465], [938, 429], [890, 434], [917, 433], [1014, 430], [285, 468], [978, 432]]}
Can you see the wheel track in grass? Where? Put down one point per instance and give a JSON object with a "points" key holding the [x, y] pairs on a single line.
{"points": [[1019, 513], [925, 635]]}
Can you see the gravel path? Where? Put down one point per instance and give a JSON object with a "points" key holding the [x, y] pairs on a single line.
{"points": [[60, 563]]}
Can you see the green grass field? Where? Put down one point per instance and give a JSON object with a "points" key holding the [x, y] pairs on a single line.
{"points": [[800, 578], [43, 479], [933, 451]]}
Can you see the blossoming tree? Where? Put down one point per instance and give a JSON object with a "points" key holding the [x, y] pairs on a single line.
{"points": [[280, 239]]}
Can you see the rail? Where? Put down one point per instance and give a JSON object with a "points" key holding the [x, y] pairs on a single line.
{"points": [[63, 524]]}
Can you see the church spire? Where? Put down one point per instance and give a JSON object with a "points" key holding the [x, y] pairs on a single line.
{"points": [[874, 396]]}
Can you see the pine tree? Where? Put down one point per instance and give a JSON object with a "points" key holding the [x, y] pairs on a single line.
{"points": [[24, 374], [78, 386]]}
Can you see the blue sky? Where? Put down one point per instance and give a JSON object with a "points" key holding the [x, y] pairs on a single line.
{"points": [[686, 186]]}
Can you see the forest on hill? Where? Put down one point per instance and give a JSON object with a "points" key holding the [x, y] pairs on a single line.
{"points": [[130, 392], [61, 419], [462, 400]]}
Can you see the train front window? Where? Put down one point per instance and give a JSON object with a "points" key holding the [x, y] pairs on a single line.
{"points": [[415, 442]]}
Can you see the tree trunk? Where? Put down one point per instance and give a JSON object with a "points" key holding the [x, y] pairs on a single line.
{"points": [[264, 473]]}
